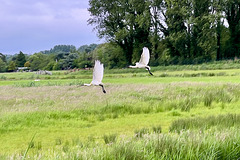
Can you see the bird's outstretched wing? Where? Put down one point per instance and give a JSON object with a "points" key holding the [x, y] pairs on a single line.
{"points": [[97, 73], [145, 56]]}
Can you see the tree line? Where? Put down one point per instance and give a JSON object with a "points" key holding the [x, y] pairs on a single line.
{"points": [[64, 57], [175, 31], [61, 57]]}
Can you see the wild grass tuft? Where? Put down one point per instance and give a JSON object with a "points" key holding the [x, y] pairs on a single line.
{"points": [[220, 121], [139, 133], [58, 141], [2, 77], [157, 129], [109, 139]]}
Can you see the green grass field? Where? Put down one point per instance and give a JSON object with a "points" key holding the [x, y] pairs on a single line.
{"points": [[184, 113]]}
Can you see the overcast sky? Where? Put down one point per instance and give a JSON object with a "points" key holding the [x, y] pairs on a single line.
{"points": [[35, 25]]}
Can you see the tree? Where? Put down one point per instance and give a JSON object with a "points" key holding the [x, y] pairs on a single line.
{"points": [[111, 55], [232, 11], [27, 64], [127, 23], [12, 66], [176, 31], [204, 31], [217, 10], [38, 61], [87, 48], [189, 30], [156, 14], [3, 57], [3, 66], [56, 66], [68, 61], [20, 60]]}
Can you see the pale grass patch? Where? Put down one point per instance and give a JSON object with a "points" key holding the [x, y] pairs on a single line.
{"points": [[28, 99]]}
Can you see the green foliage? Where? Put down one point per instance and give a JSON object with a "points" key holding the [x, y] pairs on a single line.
{"points": [[56, 66], [232, 12], [12, 66], [60, 48], [122, 22], [177, 32], [38, 61], [50, 66], [3, 57], [20, 60], [3, 66], [84, 60], [58, 58], [87, 48], [68, 61], [27, 64], [110, 55]]}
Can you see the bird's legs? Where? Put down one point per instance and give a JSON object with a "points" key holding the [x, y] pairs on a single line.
{"points": [[149, 71], [102, 88]]}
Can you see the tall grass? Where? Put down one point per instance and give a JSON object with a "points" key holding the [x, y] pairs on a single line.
{"points": [[203, 123], [211, 144], [71, 103]]}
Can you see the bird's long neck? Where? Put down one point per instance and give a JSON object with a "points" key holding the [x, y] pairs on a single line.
{"points": [[133, 66], [104, 91], [149, 71]]}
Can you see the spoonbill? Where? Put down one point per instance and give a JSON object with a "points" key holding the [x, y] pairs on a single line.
{"points": [[97, 75], [143, 63]]}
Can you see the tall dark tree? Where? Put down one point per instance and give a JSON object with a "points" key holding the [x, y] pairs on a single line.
{"points": [[20, 60], [178, 31], [3, 66], [176, 15], [203, 34], [232, 11], [3, 57], [124, 22]]}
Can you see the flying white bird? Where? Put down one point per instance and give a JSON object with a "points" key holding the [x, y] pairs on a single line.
{"points": [[143, 63], [97, 75]]}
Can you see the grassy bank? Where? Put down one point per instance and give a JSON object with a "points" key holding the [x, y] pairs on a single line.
{"points": [[143, 117]]}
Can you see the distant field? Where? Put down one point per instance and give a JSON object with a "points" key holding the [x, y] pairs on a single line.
{"points": [[179, 114], [130, 76]]}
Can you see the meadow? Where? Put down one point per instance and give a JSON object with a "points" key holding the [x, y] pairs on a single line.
{"points": [[182, 112]]}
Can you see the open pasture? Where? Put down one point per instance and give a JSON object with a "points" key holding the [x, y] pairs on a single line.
{"points": [[175, 114]]}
